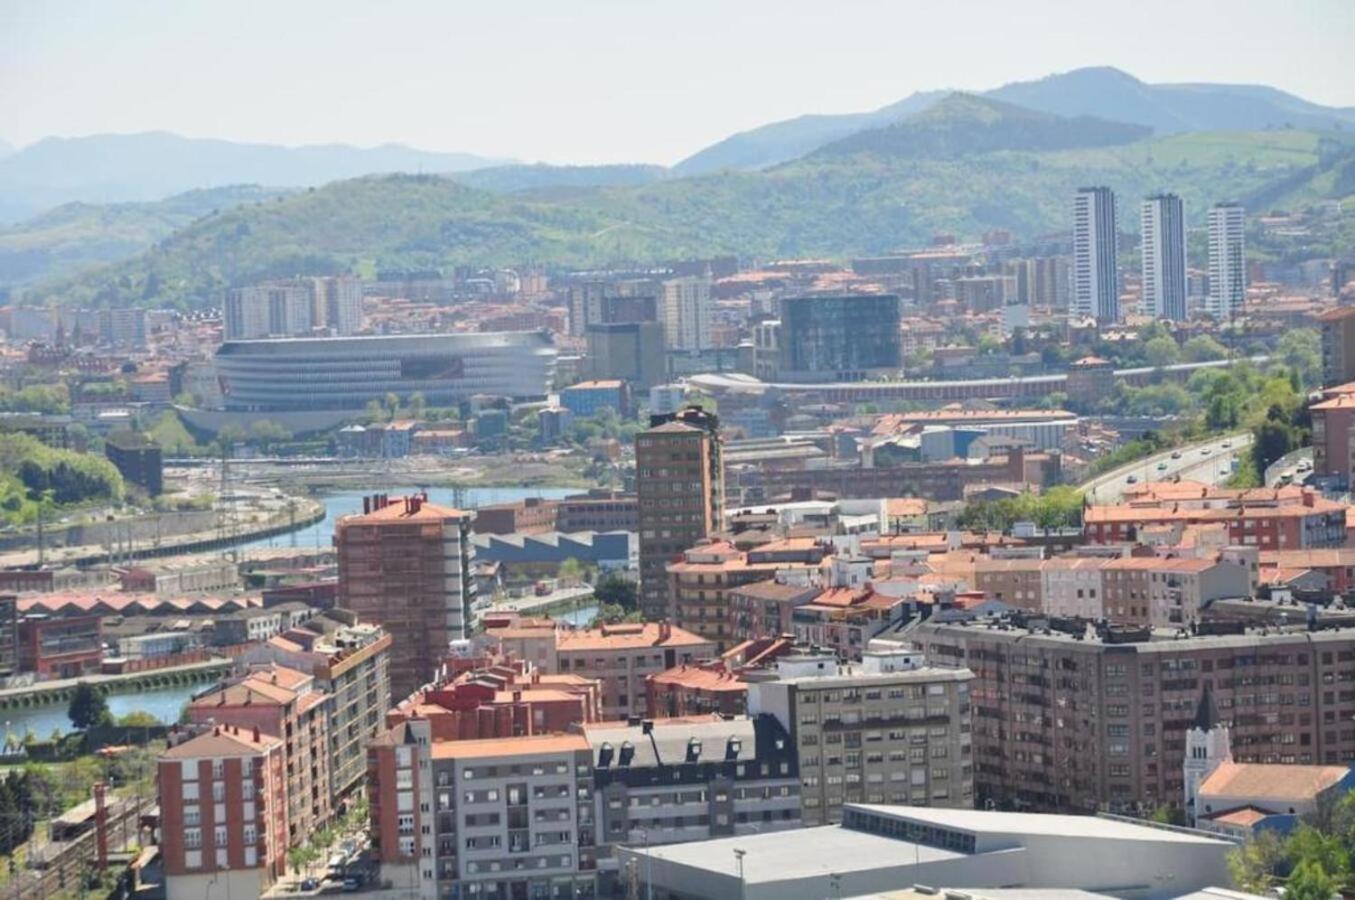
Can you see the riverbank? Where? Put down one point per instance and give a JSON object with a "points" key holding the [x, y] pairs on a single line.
{"points": [[59, 690]]}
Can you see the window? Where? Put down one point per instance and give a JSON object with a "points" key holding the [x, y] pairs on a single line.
{"points": [[219, 835], [192, 838]]}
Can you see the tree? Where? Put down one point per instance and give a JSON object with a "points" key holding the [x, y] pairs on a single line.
{"points": [[266, 433], [613, 590], [571, 571], [1273, 440], [1253, 865], [1309, 881], [418, 406], [88, 707], [1161, 351], [1202, 348], [392, 404], [374, 412]]}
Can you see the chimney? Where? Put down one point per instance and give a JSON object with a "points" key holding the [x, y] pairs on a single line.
{"points": [[366, 504], [256, 734]]}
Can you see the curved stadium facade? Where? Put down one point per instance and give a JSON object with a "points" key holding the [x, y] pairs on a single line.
{"points": [[283, 375]]}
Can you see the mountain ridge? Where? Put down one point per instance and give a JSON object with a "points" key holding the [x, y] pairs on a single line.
{"points": [[153, 165]]}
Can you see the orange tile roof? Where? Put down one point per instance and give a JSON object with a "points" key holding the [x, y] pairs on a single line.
{"points": [[1243, 816], [397, 510], [625, 637], [700, 678], [1275, 782], [222, 741], [526, 745]]}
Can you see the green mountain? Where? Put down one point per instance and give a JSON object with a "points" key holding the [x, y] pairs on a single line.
{"points": [[968, 125], [1101, 91], [546, 178], [79, 235], [824, 205], [113, 168]]}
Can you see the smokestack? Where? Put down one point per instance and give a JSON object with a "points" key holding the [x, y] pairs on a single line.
{"points": [[366, 504]]}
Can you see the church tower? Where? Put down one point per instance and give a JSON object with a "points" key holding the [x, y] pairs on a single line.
{"points": [[1207, 746]]}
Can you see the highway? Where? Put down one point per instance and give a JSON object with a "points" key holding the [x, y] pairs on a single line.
{"points": [[1208, 461]]}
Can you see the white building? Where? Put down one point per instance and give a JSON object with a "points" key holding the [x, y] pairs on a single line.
{"points": [[268, 310], [1096, 290], [336, 304], [1227, 262], [884, 848], [1163, 241], [686, 312]]}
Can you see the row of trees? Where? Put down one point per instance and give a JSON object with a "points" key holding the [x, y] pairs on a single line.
{"points": [[34, 476], [1314, 862], [1058, 507]]}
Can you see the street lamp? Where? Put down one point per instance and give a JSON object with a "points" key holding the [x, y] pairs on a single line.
{"points": [[743, 886]]}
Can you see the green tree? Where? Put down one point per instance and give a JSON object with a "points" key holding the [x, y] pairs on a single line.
{"points": [[267, 434], [1202, 348], [613, 590], [374, 412], [1161, 351], [571, 572], [88, 707], [1273, 440], [1309, 881], [392, 404], [418, 406], [1254, 865]]}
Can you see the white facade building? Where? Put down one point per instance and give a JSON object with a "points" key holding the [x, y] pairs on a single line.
{"points": [[686, 313], [1096, 290], [1163, 265], [1227, 262]]}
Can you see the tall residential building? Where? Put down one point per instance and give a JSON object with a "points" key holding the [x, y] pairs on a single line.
{"points": [[407, 565], [223, 813], [499, 818], [1227, 262], [350, 661], [841, 337], [284, 703], [1096, 289], [1163, 252], [1078, 716], [686, 313], [269, 310], [1338, 345], [680, 481], [336, 304], [629, 351], [886, 730]]}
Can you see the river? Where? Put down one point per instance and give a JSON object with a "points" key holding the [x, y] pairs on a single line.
{"points": [[163, 703], [342, 503]]}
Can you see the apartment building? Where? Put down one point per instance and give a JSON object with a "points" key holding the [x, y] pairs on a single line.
{"points": [[707, 575], [716, 685], [619, 657], [223, 813], [1338, 345], [680, 481], [668, 781], [350, 662], [285, 704], [492, 819], [1079, 716], [504, 700], [886, 730], [406, 565], [1333, 418], [1288, 518]]}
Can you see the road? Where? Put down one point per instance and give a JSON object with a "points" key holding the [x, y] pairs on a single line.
{"points": [[527, 604], [1208, 461]]}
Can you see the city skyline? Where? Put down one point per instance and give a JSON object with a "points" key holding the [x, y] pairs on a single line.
{"points": [[68, 68]]}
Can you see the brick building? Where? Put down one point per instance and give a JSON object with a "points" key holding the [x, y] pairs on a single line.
{"points": [[406, 565], [1077, 717], [223, 813]]}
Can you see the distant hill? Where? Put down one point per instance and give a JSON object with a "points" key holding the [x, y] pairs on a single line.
{"points": [[831, 205], [1172, 108], [967, 125], [1103, 92], [77, 235], [114, 168], [793, 138], [541, 177]]}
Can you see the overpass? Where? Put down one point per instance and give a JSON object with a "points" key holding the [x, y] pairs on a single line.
{"points": [[943, 391]]}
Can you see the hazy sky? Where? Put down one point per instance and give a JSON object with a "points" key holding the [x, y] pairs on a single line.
{"points": [[603, 80]]}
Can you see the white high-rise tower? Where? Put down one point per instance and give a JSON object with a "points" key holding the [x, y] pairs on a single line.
{"points": [[1096, 290], [1227, 262], [1164, 257]]}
